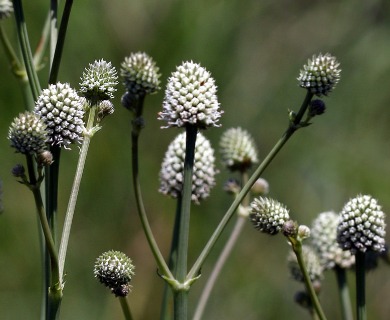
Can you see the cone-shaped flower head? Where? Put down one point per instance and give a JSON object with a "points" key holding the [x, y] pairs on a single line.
{"points": [[268, 215], [320, 75], [99, 81], [362, 225], [312, 263], [172, 168], [238, 149], [115, 270], [28, 134], [62, 110], [324, 241], [6, 8], [191, 98], [140, 75]]}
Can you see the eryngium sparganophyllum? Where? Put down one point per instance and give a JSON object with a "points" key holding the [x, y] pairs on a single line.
{"points": [[28, 134], [324, 241], [62, 110], [320, 75], [268, 215], [238, 149], [191, 98], [99, 81], [312, 263], [362, 225], [172, 168]]}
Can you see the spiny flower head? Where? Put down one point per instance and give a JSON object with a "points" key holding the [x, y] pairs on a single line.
{"points": [[312, 263], [172, 168], [191, 98], [115, 270], [28, 134], [362, 225], [268, 215], [6, 8], [140, 74], [238, 149], [324, 241], [98, 81], [62, 110], [320, 75]]}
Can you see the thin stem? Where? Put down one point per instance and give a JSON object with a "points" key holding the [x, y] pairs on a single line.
{"points": [[53, 28], [345, 300], [125, 308], [297, 248], [238, 227], [360, 286], [181, 296], [42, 44], [75, 190], [293, 126], [9, 51], [26, 49], [137, 126], [57, 54]]}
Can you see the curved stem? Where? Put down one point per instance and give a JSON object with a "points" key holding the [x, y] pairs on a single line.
{"points": [[297, 248], [345, 300], [293, 126], [26, 49], [75, 190], [360, 286], [125, 308], [240, 222]]}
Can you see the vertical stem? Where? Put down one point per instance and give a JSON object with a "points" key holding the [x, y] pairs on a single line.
{"points": [[125, 308], [53, 28], [181, 296], [345, 300], [360, 286]]}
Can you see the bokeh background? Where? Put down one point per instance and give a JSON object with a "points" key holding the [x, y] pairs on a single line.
{"points": [[254, 49]]}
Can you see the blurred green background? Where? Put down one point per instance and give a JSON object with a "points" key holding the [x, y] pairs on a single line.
{"points": [[254, 50]]}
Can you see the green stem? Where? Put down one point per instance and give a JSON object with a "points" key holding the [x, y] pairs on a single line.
{"points": [[75, 189], [293, 126], [181, 296], [345, 300], [226, 251], [57, 53], [53, 29], [297, 248], [360, 286], [9, 52], [137, 126], [125, 308], [26, 49], [166, 313]]}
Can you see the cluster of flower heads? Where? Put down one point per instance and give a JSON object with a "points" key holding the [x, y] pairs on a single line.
{"points": [[28, 134], [362, 225], [320, 75], [115, 270], [6, 8], [62, 110], [191, 98], [238, 149], [172, 168]]}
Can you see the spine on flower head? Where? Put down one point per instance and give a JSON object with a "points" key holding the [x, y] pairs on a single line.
{"points": [[191, 98], [172, 168]]}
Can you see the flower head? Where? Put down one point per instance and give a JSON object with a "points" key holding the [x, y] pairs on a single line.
{"points": [[320, 75], [115, 270], [238, 149], [324, 241], [140, 75], [268, 215], [62, 110], [98, 81], [362, 225], [6, 8], [312, 263], [172, 168], [28, 134], [191, 98]]}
